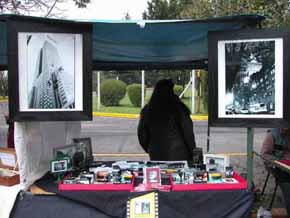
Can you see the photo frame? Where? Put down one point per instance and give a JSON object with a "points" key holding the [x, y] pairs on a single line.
{"points": [[64, 151], [248, 79], [58, 166], [144, 206], [50, 72], [220, 162], [152, 175], [84, 145]]}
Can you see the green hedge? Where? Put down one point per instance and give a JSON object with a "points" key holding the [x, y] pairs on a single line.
{"points": [[134, 94], [177, 90], [112, 91]]}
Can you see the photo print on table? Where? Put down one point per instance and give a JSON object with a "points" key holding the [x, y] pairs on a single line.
{"points": [[144, 206], [85, 146], [152, 175]]}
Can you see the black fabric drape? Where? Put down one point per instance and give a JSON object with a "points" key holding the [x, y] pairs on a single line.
{"points": [[103, 204]]}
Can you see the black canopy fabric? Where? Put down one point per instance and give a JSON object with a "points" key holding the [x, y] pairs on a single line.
{"points": [[146, 44]]}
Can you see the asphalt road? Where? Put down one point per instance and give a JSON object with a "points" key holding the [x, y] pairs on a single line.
{"points": [[119, 135]]}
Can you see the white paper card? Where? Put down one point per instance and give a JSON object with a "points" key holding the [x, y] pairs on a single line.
{"points": [[7, 159]]}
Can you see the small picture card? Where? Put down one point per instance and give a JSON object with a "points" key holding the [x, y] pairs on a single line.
{"points": [[58, 166], [144, 206], [230, 180], [151, 175], [8, 158]]}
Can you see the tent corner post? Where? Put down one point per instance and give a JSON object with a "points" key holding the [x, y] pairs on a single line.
{"points": [[192, 91], [143, 89], [98, 91], [250, 140]]}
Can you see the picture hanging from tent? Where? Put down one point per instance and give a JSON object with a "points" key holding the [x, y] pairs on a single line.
{"points": [[51, 66], [53, 74], [247, 78]]}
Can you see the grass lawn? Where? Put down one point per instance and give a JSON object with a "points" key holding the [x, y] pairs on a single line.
{"points": [[3, 98], [127, 108]]}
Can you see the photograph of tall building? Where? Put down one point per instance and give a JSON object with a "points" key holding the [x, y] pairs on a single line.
{"points": [[250, 77], [51, 71]]}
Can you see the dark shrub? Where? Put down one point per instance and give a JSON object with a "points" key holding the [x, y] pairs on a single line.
{"points": [[177, 90], [134, 94], [112, 91]]}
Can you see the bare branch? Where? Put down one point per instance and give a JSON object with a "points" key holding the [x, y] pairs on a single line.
{"points": [[51, 8]]}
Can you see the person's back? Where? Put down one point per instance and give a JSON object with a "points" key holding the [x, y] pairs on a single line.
{"points": [[165, 129], [276, 144]]}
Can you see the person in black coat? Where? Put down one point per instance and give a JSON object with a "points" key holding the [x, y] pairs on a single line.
{"points": [[165, 130]]}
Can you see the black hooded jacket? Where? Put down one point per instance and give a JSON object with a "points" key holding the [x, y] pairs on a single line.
{"points": [[167, 135]]}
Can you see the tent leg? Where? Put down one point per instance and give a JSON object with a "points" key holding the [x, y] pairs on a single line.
{"points": [[98, 91], [250, 139], [192, 91], [208, 138], [143, 88]]}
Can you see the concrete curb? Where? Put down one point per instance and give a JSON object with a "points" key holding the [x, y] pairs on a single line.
{"points": [[117, 115], [136, 116], [130, 116]]}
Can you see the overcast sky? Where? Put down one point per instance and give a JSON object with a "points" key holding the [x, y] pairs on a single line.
{"points": [[105, 9]]}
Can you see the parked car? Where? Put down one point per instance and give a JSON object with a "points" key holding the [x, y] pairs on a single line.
{"points": [[258, 108], [244, 111]]}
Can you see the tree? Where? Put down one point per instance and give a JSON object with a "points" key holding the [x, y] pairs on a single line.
{"points": [[3, 84], [44, 8], [82, 3], [127, 16], [47, 8], [163, 9], [275, 11]]}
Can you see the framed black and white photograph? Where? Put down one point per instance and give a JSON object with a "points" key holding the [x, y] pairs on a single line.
{"points": [[50, 64], [247, 78], [64, 151], [85, 146]]}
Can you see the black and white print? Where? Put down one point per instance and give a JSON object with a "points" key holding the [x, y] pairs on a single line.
{"points": [[250, 82], [50, 64]]}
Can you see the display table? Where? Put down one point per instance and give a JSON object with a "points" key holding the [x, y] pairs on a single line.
{"points": [[89, 204]]}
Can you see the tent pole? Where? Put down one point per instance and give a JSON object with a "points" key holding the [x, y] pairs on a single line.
{"points": [[143, 88], [250, 139], [192, 91], [98, 91], [208, 138]]}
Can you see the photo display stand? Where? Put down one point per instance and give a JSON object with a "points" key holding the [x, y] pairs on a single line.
{"points": [[49, 63], [249, 81], [144, 206]]}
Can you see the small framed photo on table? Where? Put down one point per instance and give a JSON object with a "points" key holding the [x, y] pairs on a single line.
{"points": [[152, 175], [219, 162], [58, 166], [84, 145]]}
